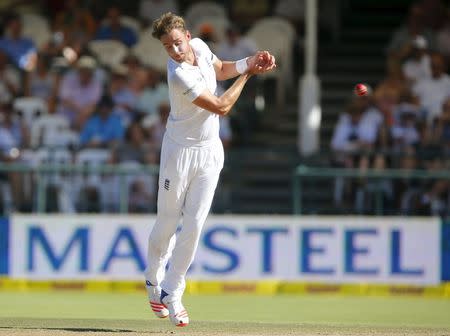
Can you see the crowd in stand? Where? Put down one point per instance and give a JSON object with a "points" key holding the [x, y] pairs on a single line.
{"points": [[404, 122], [61, 102]]}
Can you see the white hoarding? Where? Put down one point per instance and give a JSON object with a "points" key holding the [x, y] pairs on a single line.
{"points": [[320, 249]]}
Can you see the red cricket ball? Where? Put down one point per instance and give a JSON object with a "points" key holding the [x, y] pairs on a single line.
{"points": [[361, 89]]}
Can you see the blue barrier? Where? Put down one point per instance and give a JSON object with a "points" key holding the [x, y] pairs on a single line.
{"points": [[4, 245], [445, 249]]}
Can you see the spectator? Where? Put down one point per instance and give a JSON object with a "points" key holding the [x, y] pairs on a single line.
{"points": [[52, 129], [208, 34], [155, 126], [142, 197], [124, 98], [405, 132], [355, 131], [408, 102], [135, 151], [16, 129], [400, 44], [395, 79], [20, 50], [135, 148], [132, 63], [79, 92], [41, 82], [355, 135], [151, 91], [104, 128], [432, 92], [441, 132], [443, 38], [407, 188], [112, 29], [434, 195], [386, 102], [418, 65], [372, 114], [13, 137], [9, 80], [75, 22], [366, 189]]}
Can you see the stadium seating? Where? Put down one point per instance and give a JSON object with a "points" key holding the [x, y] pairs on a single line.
{"points": [[200, 10], [277, 36], [109, 52], [57, 185], [37, 28], [30, 108], [150, 52], [93, 182]]}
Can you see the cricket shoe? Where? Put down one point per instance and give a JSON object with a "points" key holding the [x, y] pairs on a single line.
{"points": [[177, 313], [154, 296]]}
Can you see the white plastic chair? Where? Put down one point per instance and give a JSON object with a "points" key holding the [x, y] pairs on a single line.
{"points": [[131, 22], [37, 28], [49, 130], [52, 157], [109, 52], [30, 108], [110, 191], [91, 157], [62, 181], [276, 35], [149, 181], [199, 10], [150, 52]]}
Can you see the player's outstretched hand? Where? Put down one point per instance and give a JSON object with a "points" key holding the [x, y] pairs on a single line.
{"points": [[261, 62]]}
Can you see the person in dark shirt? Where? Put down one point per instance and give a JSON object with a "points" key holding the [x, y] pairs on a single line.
{"points": [[113, 29], [20, 50]]}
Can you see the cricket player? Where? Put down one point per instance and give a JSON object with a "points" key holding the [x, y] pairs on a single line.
{"points": [[191, 156]]}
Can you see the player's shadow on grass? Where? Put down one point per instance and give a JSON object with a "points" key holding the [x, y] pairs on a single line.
{"points": [[77, 329]]}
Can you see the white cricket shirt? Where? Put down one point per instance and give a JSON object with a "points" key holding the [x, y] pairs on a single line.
{"points": [[188, 124]]}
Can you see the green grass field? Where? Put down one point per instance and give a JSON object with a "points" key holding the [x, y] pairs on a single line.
{"points": [[78, 313]]}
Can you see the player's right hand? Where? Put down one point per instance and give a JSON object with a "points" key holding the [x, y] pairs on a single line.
{"points": [[261, 62]]}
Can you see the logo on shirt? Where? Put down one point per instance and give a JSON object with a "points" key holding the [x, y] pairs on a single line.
{"points": [[188, 90], [167, 184]]}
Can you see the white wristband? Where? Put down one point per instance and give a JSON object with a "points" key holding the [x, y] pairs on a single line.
{"points": [[241, 65]]}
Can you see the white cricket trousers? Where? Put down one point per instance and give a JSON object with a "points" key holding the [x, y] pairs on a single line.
{"points": [[188, 177]]}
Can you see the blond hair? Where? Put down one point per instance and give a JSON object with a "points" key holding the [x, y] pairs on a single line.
{"points": [[166, 23]]}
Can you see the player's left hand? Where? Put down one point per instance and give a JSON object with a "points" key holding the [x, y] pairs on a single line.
{"points": [[261, 62]]}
